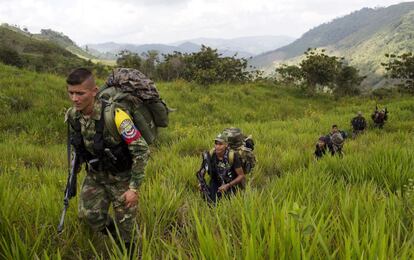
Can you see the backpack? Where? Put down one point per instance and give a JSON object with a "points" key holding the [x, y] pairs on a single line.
{"points": [[337, 139], [132, 90], [359, 123], [244, 145]]}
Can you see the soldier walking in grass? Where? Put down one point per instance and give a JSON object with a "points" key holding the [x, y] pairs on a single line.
{"points": [[336, 139], [225, 169], [114, 162], [379, 117], [321, 147], [358, 125]]}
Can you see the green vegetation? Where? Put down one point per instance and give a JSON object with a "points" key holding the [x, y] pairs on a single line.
{"points": [[401, 67], [318, 70], [48, 51], [293, 207], [205, 67], [363, 37]]}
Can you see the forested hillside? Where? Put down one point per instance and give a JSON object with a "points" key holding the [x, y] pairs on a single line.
{"points": [[37, 52], [362, 37]]}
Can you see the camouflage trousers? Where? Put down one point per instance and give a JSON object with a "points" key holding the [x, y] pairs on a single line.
{"points": [[97, 193]]}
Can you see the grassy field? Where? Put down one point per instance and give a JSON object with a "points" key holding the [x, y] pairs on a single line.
{"points": [[360, 206]]}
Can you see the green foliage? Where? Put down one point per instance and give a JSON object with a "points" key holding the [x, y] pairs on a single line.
{"points": [[22, 49], [10, 57], [382, 93], [360, 206], [205, 67], [289, 74], [129, 60], [149, 64], [318, 70], [347, 81], [401, 67]]}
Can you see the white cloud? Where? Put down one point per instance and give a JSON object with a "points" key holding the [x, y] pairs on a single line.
{"points": [[145, 21]]}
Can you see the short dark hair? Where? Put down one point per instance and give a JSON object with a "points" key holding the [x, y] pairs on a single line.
{"points": [[334, 126], [78, 76]]}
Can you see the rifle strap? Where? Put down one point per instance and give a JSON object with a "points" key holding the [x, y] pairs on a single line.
{"points": [[69, 155]]}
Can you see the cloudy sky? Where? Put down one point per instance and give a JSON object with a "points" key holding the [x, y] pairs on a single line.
{"points": [[166, 21]]}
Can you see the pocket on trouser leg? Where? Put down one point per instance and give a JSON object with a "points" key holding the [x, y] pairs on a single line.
{"points": [[125, 219]]}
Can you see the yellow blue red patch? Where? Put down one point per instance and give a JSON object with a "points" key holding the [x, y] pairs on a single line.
{"points": [[126, 127]]}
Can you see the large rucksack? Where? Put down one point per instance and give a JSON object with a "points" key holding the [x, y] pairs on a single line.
{"points": [[132, 90], [242, 144], [337, 139]]}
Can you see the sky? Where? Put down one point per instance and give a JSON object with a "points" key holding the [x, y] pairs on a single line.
{"points": [[168, 21]]}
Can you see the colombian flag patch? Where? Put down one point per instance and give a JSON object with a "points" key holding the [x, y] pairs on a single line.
{"points": [[129, 132], [126, 127]]}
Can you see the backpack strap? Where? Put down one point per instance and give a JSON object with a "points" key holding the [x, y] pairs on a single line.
{"points": [[231, 157], [109, 115]]}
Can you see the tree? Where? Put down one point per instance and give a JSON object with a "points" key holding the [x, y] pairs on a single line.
{"points": [[10, 56], [172, 67], [319, 69], [347, 81], [401, 67], [289, 74], [150, 62], [101, 70], [129, 59]]}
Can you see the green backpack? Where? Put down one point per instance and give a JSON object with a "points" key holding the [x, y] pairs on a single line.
{"points": [[243, 145], [132, 90]]}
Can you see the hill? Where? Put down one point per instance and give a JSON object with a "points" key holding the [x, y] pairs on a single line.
{"points": [[362, 37], [292, 207], [111, 49], [249, 44], [243, 47], [63, 41], [38, 52]]}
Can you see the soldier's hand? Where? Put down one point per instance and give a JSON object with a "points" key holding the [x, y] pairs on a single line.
{"points": [[131, 198], [224, 187]]}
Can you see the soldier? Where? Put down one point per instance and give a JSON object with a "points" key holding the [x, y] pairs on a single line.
{"points": [[224, 168], [114, 163], [358, 124], [321, 148], [379, 117], [336, 140]]}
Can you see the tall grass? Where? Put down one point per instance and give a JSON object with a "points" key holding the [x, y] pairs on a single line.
{"points": [[292, 208]]}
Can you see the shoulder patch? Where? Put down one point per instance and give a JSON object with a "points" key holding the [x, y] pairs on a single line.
{"points": [[126, 127]]}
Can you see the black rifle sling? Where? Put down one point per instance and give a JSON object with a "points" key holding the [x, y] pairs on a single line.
{"points": [[98, 140]]}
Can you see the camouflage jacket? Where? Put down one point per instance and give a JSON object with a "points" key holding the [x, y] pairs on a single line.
{"points": [[136, 144]]}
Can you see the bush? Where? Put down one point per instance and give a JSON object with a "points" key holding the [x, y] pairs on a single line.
{"points": [[10, 56]]}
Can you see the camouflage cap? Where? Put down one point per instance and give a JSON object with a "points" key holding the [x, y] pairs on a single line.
{"points": [[222, 138]]}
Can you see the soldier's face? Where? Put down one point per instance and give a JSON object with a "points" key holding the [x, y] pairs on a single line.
{"points": [[83, 96], [220, 147]]}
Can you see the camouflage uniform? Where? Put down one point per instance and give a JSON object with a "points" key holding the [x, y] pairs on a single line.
{"points": [[100, 188]]}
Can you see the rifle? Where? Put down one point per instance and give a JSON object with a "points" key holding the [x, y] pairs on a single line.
{"points": [[70, 190], [205, 167]]}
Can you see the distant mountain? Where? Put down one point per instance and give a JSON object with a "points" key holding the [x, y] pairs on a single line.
{"points": [[252, 44], [111, 49], [362, 37]]}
